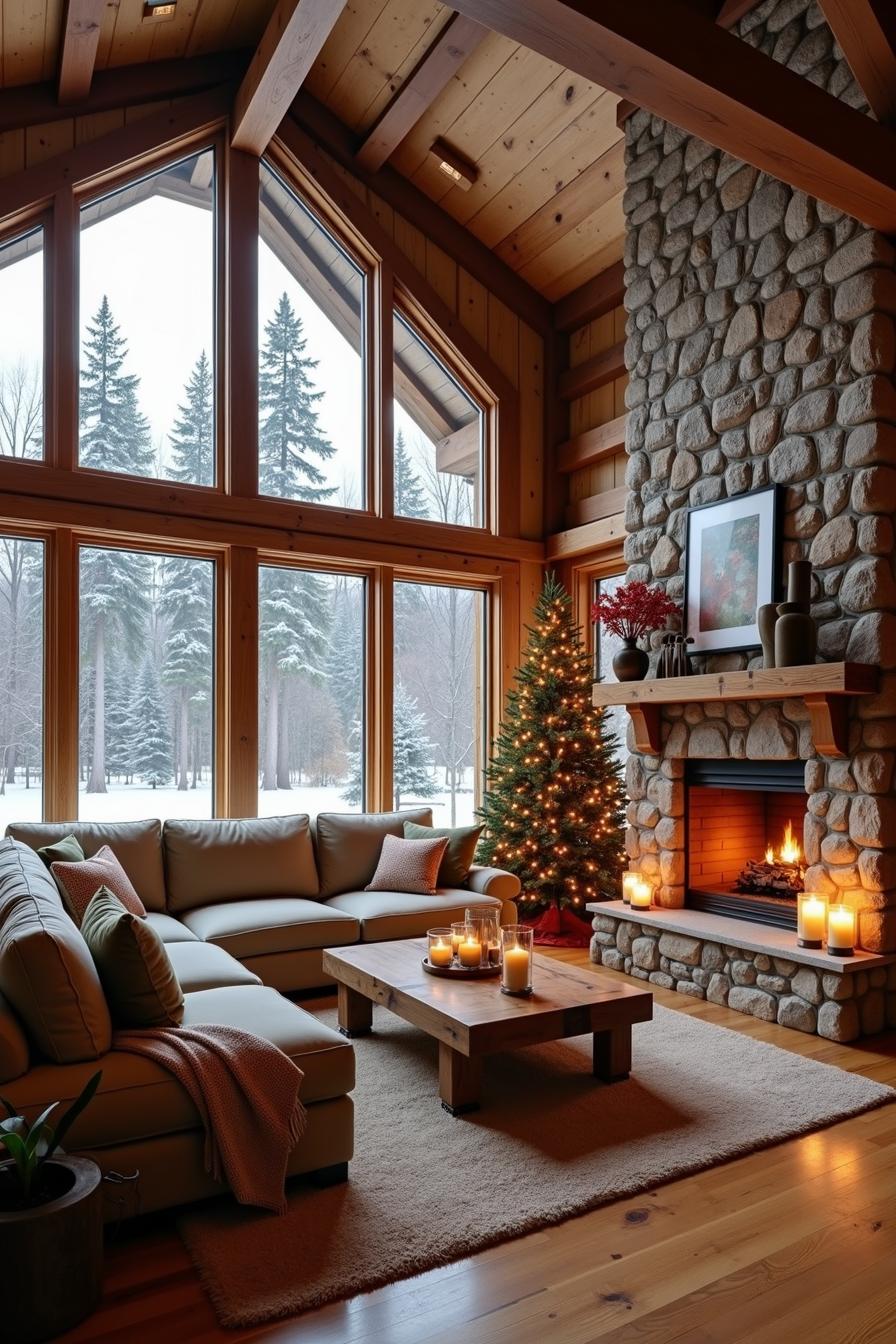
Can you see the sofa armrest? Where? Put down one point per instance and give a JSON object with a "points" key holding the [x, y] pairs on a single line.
{"points": [[493, 882]]}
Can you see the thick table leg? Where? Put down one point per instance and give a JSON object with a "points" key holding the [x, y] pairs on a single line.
{"points": [[355, 1012], [613, 1054], [459, 1080]]}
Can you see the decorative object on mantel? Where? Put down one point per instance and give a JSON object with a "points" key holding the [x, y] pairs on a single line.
{"points": [[632, 611], [554, 796], [731, 568], [766, 620], [674, 656], [824, 687], [796, 637]]}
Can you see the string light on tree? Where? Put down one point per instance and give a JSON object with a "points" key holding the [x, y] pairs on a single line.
{"points": [[553, 765]]}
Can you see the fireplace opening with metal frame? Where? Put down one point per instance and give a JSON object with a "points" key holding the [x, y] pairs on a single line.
{"points": [[744, 826]]}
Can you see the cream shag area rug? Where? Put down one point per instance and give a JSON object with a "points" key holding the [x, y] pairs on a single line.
{"points": [[548, 1143]]}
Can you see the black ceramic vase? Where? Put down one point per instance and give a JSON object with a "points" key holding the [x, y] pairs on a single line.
{"points": [[630, 663]]}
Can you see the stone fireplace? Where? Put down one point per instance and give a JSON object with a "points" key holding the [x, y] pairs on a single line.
{"points": [[760, 348]]}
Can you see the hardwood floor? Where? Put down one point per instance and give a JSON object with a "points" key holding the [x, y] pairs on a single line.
{"points": [[793, 1244]]}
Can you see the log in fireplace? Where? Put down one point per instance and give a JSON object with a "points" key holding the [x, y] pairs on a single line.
{"points": [[744, 838]]}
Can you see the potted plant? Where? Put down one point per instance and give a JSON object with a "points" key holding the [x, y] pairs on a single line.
{"points": [[631, 612], [51, 1225]]}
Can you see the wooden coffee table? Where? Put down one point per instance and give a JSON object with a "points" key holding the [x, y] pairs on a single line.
{"points": [[472, 1018]]}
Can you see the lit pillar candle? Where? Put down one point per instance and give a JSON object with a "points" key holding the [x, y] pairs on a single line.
{"points": [[470, 952], [841, 930], [640, 895], [441, 954], [515, 975], [628, 882], [811, 919]]}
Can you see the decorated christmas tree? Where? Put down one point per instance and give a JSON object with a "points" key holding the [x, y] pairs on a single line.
{"points": [[553, 803]]}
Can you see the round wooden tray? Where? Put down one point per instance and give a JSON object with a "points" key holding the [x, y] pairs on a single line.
{"points": [[461, 972]]}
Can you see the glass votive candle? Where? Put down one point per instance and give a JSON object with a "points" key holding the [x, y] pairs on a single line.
{"points": [[640, 894], [458, 934], [811, 918], [490, 934], [441, 949], [841, 930], [628, 881], [516, 959], [469, 949]]}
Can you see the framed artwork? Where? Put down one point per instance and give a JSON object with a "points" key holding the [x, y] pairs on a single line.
{"points": [[731, 568]]}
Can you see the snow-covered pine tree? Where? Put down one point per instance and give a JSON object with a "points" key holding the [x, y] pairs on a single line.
{"points": [[344, 667], [411, 749], [290, 442], [193, 435], [119, 723], [114, 434], [410, 497], [294, 619], [186, 603], [553, 804], [353, 793], [151, 747], [114, 610]]}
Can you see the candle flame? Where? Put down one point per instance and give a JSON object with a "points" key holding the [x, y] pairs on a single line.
{"points": [[790, 851]]}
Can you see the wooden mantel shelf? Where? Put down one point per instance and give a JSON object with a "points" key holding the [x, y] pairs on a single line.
{"points": [[823, 686]]}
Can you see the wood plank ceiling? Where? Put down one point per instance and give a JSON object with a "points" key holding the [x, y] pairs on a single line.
{"points": [[547, 198]]}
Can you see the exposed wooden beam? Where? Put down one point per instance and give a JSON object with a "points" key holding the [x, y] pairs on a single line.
{"points": [[596, 297], [866, 31], [693, 73], [458, 39], [458, 453], [291, 43], [593, 507], [479, 261], [592, 446], [580, 540], [593, 373], [80, 39], [126, 86]]}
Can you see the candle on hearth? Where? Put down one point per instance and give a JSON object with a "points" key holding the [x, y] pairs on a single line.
{"points": [[841, 930], [469, 952], [640, 895], [811, 918], [628, 881]]}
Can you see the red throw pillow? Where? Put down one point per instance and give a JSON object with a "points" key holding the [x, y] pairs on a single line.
{"points": [[409, 865], [81, 881]]}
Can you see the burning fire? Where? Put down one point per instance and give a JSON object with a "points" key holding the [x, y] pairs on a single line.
{"points": [[789, 852]]}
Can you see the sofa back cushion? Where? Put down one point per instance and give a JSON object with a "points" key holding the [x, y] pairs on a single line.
{"points": [[14, 1056], [134, 968], [349, 845], [46, 971], [208, 862], [136, 844]]}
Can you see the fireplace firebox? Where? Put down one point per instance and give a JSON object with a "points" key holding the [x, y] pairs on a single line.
{"points": [[745, 838]]}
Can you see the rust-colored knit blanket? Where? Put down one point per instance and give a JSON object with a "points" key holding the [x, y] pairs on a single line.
{"points": [[246, 1091]]}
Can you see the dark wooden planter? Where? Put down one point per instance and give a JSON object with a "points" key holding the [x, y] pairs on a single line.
{"points": [[52, 1257]]}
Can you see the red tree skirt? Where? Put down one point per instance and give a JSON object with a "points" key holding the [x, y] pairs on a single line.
{"points": [[560, 928]]}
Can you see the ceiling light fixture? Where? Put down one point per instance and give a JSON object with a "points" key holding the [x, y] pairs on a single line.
{"points": [[460, 170], [159, 9]]}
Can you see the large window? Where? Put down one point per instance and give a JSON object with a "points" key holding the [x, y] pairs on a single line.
{"points": [[22, 662], [311, 749], [439, 702], [311, 431], [438, 437], [147, 331], [22, 346], [147, 685]]}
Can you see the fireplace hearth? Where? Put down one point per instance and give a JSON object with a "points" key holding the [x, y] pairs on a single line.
{"points": [[744, 839]]}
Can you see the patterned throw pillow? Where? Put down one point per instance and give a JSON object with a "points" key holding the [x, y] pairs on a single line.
{"points": [[135, 971], [411, 866], [79, 881]]}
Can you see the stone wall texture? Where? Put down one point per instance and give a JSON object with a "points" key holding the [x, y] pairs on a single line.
{"points": [[840, 1007], [760, 347]]}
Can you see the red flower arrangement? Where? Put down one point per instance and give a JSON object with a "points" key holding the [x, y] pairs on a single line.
{"points": [[634, 610]]}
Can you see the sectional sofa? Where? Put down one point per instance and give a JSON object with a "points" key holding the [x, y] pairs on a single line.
{"points": [[245, 909]]}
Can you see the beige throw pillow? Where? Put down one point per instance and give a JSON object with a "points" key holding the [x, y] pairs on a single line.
{"points": [[409, 865], [80, 881]]}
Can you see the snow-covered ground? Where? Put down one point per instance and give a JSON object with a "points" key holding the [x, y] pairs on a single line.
{"points": [[133, 802]]}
